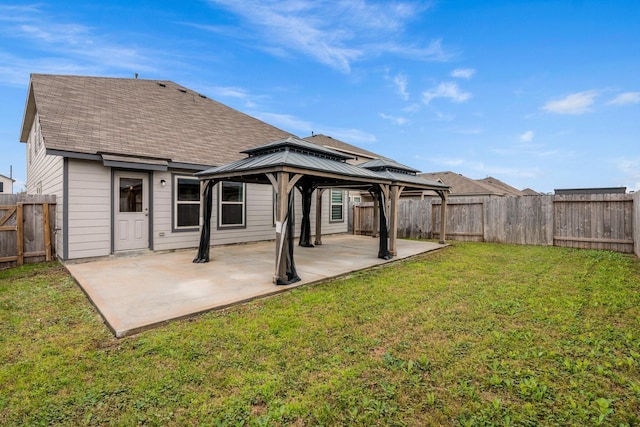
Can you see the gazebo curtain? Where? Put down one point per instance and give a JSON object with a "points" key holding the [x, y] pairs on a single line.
{"points": [[306, 189], [205, 234], [383, 248], [287, 240]]}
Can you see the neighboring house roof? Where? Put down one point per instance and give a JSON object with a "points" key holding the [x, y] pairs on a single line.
{"points": [[336, 144], [7, 178], [461, 185], [501, 186], [597, 190], [155, 119], [530, 192]]}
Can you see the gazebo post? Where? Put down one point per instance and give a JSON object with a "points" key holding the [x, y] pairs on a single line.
{"points": [[393, 219], [376, 219], [281, 214], [443, 217], [318, 239]]}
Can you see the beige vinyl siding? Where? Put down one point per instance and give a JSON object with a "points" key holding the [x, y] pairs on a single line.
{"points": [[329, 227], [7, 185], [45, 176], [259, 205], [163, 236], [89, 215], [259, 218]]}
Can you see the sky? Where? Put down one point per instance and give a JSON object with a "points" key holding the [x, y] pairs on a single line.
{"points": [[539, 94]]}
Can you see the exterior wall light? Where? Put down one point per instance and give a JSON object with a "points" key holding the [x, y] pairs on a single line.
{"points": [[163, 182]]}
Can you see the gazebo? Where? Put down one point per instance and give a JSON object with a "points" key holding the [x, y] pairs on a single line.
{"points": [[295, 163]]}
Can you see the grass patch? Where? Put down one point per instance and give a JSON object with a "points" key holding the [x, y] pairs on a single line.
{"points": [[476, 334]]}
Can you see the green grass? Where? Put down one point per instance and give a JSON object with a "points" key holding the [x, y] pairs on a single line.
{"points": [[476, 334]]}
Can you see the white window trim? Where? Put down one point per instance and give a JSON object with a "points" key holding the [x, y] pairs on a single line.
{"points": [[243, 203], [176, 203], [331, 205]]}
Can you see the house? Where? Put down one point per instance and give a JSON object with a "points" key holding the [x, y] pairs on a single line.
{"points": [[6, 185], [501, 187], [462, 186], [531, 192], [121, 154]]}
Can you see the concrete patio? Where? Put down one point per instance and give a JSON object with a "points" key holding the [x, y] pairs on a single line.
{"points": [[135, 293]]}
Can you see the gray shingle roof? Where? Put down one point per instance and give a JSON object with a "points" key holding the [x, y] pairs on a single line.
{"points": [[460, 184], [501, 186], [336, 144], [141, 118]]}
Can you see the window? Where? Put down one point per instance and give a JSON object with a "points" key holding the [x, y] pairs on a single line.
{"points": [[130, 195], [1, 187], [232, 204], [187, 202], [336, 206], [356, 199]]}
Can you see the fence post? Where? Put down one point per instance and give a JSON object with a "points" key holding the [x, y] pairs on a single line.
{"points": [[20, 232], [443, 218], [47, 231]]}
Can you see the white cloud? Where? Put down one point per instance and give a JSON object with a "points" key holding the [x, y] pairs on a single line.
{"points": [[576, 103], [57, 46], [332, 33], [401, 83], [626, 98], [395, 120], [472, 131], [352, 136], [448, 90], [412, 108], [432, 52], [527, 136], [285, 121], [447, 161], [229, 92], [511, 172], [463, 73], [630, 168], [441, 117]]}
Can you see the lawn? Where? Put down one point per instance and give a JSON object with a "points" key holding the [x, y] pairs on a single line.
{"points": [[476, 334]]}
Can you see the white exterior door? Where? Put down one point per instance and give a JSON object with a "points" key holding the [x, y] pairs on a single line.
{"points": [[131, 211]]}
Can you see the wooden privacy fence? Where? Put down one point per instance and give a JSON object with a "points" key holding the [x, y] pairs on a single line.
{"points": [[598, 221], [26, 229]]}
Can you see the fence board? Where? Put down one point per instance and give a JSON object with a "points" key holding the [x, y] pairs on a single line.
{"points": [[26, 233], [635, 221], [599, 221], [603, 221]]}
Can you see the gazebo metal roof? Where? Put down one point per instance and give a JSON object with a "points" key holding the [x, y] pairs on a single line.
{"points": [[328, 167]]}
